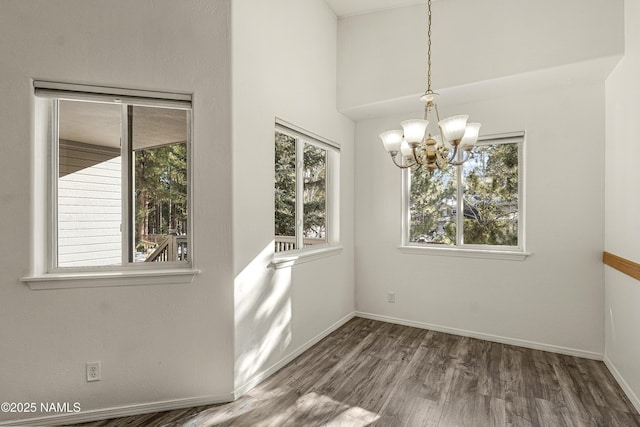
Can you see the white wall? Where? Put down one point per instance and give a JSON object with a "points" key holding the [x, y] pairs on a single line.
{"points": [[551, 300], [284, 65], [382, 55], [156, 343], [622, 230]]}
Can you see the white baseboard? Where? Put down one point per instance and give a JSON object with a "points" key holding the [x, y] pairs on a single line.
{"points": [[260, 376], [487, 337], [120, 411], [623, 384]]}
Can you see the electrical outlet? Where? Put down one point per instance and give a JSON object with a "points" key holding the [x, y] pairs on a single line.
{"points": [[391, 297], [93, 371]]}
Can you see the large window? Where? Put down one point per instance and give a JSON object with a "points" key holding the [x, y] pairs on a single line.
{"points": [[475, 206], [118, 178], [305, 193]]}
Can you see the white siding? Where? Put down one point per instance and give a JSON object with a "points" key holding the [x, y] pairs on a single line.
{"points": [[89, 206]]}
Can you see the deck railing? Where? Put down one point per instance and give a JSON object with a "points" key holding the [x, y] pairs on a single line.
{"points": [[172, 248], [288, 243]]}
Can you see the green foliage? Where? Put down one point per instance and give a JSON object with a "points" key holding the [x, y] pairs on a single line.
{"points": [[161, 190], [314, 188], [490, 180], [285, 185], [315, 191], [491, 196], [432, 199]]}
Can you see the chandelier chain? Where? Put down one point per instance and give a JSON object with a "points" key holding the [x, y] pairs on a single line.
{"points": [[429, 48]]}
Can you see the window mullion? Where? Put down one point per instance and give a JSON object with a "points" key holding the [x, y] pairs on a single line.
{"points": [[299, 193], [460, 203], [125, 153], [52, 244], [521, 235], [406, 211]]}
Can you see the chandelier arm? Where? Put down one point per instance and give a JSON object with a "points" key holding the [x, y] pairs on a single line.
{"points": [[465, 158], [451, 159], [415, 156], [393, 158], [441, 161]]}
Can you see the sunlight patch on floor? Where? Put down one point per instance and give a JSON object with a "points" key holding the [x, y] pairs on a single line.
{"points": [[287, 409]]}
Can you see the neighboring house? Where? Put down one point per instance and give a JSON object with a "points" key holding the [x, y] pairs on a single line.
{"points": [[89, 196]]}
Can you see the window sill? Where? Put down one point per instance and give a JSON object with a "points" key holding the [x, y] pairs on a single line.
{"points": [[289, 259], [110, 278], [467, 253]]}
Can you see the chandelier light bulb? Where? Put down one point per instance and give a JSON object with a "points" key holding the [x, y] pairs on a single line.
{"points": [[414, 130], [471, 135], [406, 150], [453, 128], [391, 140]]}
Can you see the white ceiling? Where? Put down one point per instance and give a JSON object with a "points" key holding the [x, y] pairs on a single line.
{"points": [[355, 7], [98, 123], [93, 123]]}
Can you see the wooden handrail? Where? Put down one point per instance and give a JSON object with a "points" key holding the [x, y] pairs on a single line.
{"points": [[159, 251], [623, 265], [172, 248]]}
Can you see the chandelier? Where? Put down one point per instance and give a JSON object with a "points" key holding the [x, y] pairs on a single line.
{"points": [[453, 143]]}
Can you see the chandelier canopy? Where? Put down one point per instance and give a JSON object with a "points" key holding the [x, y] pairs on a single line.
{"points": [[451, 145]]}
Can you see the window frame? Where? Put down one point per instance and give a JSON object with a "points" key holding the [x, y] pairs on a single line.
{"points": [[45, 273], [332, 197], [460, 248]]}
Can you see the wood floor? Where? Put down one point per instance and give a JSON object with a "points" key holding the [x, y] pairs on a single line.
{"points": [[371, 373]]}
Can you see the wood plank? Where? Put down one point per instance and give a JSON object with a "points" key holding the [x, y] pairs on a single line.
{"points": [[489, 411], [548, 414], [369, 385], [550, 389], [308, 369], [601, 385], [424, 413], [579, 401], [623, 265], [407, 404]]}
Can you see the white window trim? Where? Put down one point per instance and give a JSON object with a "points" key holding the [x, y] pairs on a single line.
{"points": [[518, 253], [110, 278], [291, 258], [332, 247], [464, 252], [43, 275]]}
